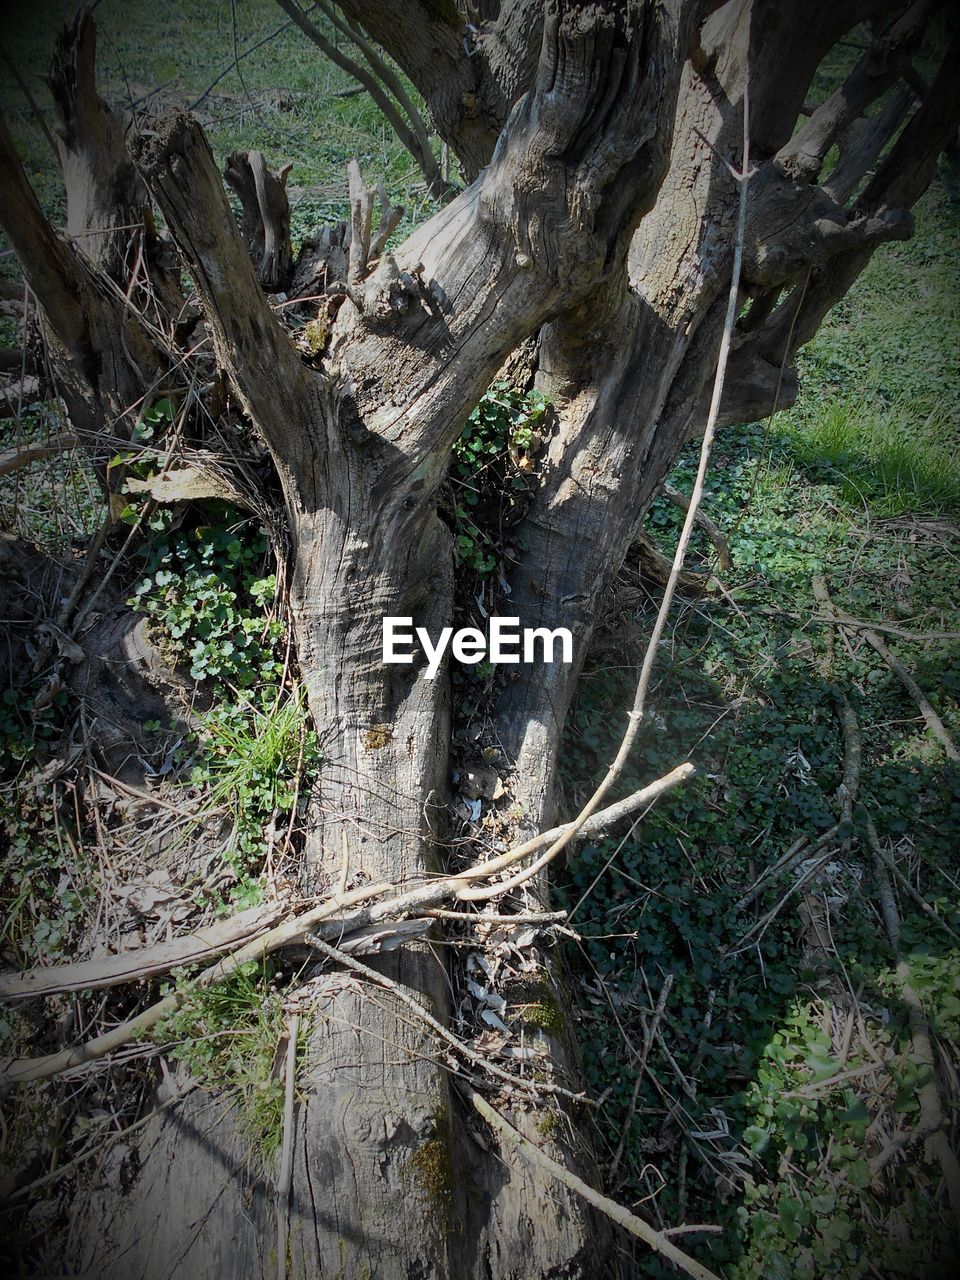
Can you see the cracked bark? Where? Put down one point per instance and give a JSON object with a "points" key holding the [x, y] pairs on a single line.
{"points": [[601, 220]]}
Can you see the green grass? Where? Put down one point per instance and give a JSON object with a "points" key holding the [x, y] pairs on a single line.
{"points": [[880, 400], [885, 460], [858, 482], [285, 99], [227, 1036]]}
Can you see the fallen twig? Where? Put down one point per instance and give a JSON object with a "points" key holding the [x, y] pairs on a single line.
{"points": [[711, 529], [648, 1038], [23, 1070], [479, 1060], [566, 833], [657, 1240], [17, 458], [128, 967], [134, 966], [907, 887], [933, 721]]}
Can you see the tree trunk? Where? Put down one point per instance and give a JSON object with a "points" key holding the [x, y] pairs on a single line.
{"points": [[601, 219]]}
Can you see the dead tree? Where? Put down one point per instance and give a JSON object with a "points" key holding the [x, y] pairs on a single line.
{"points": [[597, 140]]}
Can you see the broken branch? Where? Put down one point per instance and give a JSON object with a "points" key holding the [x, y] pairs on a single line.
{"points": [[615, 1212]]}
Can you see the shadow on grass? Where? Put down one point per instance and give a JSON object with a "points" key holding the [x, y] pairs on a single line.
{"points": [[742, 1030]]}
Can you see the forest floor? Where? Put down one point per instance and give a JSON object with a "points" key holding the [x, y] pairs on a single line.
{"points": [[750, 959]]}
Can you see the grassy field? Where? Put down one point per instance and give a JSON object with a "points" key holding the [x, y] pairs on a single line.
{"points": [[784, 1059]]}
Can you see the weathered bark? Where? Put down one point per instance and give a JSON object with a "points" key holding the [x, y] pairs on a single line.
{"points": [[104, 355], [265, 220], [601, 220], [105, 196]]}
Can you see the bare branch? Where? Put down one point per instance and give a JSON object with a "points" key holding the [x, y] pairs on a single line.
{"points": [[901, 178], [433, 45], [861, 145], [179, 169], [629, 1221], [884, 62], [412, 134]]}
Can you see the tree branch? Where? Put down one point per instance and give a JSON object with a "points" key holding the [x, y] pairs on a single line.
{"points": [[884, 62], [410, 130], [900, 180], [629, 1221], [431, 42], [178, 167]]}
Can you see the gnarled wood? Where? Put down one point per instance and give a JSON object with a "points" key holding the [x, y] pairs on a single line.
{"points": [[601, 220], [265, 215]]}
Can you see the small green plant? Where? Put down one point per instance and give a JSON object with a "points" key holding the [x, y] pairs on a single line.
{"points": [[489, 472], [206, 590], [934, 978], [29, 722], [503, 417], [228, 1035], [45, 895], [249, 759]]}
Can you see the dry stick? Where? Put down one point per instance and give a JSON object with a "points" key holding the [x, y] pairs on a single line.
{"points": [[908, 888], [934, 723], [59, 978], [818, 1086], [22, 1070], [133, 966], [17, 458], [639, 702], [531, 1087], [629, 1221], [648, 794], [710, 528], [519, 917], [285, 1175], [848, 622], [760, 927], [793, 855], [648, 1038], [886, 1154]]}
